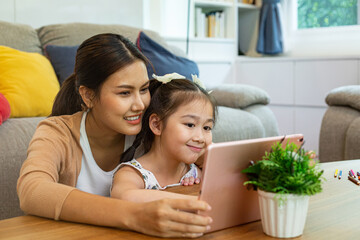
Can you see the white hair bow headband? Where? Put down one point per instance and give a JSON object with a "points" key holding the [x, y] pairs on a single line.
{"points": [[170, 76]]}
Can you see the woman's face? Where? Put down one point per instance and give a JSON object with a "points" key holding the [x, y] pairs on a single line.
{"points": [[124, 96]]}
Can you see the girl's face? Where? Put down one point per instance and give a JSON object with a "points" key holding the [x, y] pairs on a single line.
{"points": [[124, 96], [188, 131]]}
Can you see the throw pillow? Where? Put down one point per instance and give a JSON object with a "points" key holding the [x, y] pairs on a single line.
{"points": [[28, 82], [163, 61], [4, 109], [62, 58]]}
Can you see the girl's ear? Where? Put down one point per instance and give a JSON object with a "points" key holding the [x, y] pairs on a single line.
{"points": [[87, 96], [155, 124]]}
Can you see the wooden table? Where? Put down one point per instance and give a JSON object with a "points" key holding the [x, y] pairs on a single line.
{"points": [[333, 214]]}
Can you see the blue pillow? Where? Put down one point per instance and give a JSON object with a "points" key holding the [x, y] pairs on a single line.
{"points": [[164, 61], [62, 59]]}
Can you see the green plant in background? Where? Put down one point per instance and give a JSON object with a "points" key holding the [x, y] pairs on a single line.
{"points": [[327, 13], [286, 170]]}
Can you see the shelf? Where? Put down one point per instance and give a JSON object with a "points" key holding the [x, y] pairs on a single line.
{"points": [[244, 6], [235, 26], [204, 39], [217, 40], [203, 3]]}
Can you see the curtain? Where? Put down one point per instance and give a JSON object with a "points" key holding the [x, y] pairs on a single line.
{"points": [[270, 39]]}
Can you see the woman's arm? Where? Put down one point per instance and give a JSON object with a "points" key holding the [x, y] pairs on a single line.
{"points": [[159, 218], [129, 185], [41, 194]]}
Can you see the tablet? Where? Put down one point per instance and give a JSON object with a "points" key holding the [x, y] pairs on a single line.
{"points": [[222, 184]]}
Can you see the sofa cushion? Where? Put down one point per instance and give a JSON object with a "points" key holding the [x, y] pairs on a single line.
{"points": [[333, 132], [163, 61], [352, 140], [345, 96], [71, 34], [28, 82], [19, 36], [239, 95], [62, 59], [232, 124], [16, 134]]}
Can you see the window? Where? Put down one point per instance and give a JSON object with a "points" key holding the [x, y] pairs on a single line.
{"points": [[321, 27], [326, 13]]}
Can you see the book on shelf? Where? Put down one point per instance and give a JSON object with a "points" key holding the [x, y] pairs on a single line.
{"points": [[209, 24], [220, 24], [248, 1], [229, 1], [200, 23]]}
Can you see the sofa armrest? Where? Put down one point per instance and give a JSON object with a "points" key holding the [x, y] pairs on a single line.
{"points": [[239, 95], [345, 96], [15, 135]]}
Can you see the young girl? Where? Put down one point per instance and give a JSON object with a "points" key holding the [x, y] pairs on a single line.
{"points": [[176, 131], [72, 157]]}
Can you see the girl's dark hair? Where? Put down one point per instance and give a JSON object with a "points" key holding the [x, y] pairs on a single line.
{"points": [[96, 59], [165, 100]]}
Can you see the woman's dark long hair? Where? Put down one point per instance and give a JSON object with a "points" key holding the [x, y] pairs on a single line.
{"points": [[165, 100], [96, 59]]}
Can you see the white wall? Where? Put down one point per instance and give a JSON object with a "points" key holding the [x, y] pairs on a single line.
{"points": [[43, 12], [168, 18], [298, 88], [215, 59], [7, 10]]}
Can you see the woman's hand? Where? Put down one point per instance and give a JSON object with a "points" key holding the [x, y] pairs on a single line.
{"points": [[167, 218]]}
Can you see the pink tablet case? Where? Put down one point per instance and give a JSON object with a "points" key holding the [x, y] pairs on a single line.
{"points": [[222, 181]]}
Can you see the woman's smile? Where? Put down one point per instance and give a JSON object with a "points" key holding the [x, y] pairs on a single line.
{"points": [[134, 119]]}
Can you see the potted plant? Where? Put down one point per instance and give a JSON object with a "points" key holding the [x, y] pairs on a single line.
{"points": [[285, 179]]}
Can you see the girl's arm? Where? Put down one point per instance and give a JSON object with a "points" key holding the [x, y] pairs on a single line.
{"points": [[129, 185]]}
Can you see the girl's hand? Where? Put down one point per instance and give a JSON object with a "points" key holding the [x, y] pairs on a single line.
{"points": [[191, 180], [170, 218]]}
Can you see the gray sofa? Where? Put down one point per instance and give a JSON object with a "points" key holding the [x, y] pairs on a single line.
{"points": [[340, 127], [243, 113]]}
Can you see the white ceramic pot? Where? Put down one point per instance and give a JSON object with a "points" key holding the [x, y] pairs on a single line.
{"points": [[284, 220]]}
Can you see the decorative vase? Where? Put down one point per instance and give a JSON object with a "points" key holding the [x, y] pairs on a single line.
{"points": [[283, 219]]}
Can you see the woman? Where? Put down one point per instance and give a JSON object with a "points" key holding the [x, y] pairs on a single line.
{"points": [[74, 153]]}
